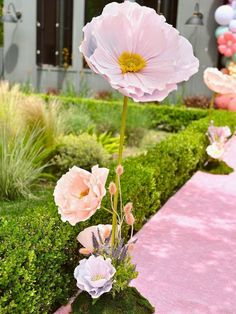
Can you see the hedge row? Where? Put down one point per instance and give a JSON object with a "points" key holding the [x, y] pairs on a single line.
{"points": [[37, 255], [106, 114], [38, 252]]}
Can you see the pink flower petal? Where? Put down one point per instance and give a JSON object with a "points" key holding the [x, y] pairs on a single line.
{"points": [[219, 82]]}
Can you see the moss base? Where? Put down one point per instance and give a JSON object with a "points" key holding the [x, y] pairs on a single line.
{"points": [[129, 301], [217, 167]]}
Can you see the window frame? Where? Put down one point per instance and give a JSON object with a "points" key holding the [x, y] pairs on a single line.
{"points": [[60, 22]]}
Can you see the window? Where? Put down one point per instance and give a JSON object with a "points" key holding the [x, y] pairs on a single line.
{"points": [[94, 8], [168, 8], [54, 32]]}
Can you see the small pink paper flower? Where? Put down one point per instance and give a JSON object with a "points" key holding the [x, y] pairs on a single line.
{"points": [[85, 236], [215, 150], [227, 44], [219, 82], [137, 52], [78, 194], [218, 134]]}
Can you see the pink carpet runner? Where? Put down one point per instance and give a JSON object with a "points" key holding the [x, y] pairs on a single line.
{"points": [[186, 254]]}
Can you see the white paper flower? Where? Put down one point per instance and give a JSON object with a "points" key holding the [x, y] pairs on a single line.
{"points": [[94, 275], [215, 151]]}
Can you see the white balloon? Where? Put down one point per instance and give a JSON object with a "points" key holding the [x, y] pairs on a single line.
{"points": [[224, 14], [232, 26]]}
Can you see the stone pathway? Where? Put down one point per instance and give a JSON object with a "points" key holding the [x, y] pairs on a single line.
{"points": [[186, 254]]}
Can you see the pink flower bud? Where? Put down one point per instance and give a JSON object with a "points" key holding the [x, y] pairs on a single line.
{"points": [[129, 219], [119, 170], [85, 251], [112, 188], [106, 233], [128, 207]]}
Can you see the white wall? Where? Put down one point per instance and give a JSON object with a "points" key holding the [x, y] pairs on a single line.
{"points": [[20, 48], [20, 44]]}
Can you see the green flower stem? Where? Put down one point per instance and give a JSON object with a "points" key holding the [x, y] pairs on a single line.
{"points": [[121, 146], [211, 105]]}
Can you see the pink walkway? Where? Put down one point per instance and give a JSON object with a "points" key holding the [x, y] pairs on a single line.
{"points": [[186, 254]]}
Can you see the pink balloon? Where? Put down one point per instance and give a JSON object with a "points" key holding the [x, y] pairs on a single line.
{"points": [[227, 44], [221, 40], [232, 105], [222, 101]]}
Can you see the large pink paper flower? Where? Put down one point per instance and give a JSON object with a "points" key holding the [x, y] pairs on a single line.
{"points": [[227, 44], [219, 82], [137, 52], [78, 194]]}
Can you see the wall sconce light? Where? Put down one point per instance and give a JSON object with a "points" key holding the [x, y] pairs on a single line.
{"points": [[159, 6], [11, 16], [197, 17]]}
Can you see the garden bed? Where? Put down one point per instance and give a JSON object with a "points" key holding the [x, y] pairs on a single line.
{"points": [[39, 252]]}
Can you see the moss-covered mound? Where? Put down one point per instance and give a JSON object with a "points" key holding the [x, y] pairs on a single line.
{"points": [[129, 301], [217, 167]]}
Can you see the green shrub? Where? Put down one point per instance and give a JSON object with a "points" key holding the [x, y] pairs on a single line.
{"points": [[135, 136], [109, 142], [21, 162], [28, 131], [45, 117], [83, 151], [30, 112], [78, 121], [152, 137], [106, 115], [175, 160], [172, 119], [38, 256]]}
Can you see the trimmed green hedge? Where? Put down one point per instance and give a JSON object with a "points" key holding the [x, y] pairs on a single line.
{"points": [[37, 257], [38, 252], [106, 114]]}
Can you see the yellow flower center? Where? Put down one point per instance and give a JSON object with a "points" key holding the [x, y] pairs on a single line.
{"points": [[131, 62], [97, 277], [84, 193]]}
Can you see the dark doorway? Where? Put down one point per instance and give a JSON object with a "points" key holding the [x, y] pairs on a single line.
{"points": [[169, 8], [54, 32]]}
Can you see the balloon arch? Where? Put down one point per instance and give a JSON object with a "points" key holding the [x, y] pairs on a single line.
{"points": [[225, 16]]}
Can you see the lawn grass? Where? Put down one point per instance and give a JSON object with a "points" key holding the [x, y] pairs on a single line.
{"points": [[43, 195]]}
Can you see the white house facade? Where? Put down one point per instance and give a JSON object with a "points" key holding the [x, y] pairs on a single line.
{"points": [[42, 47]]}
